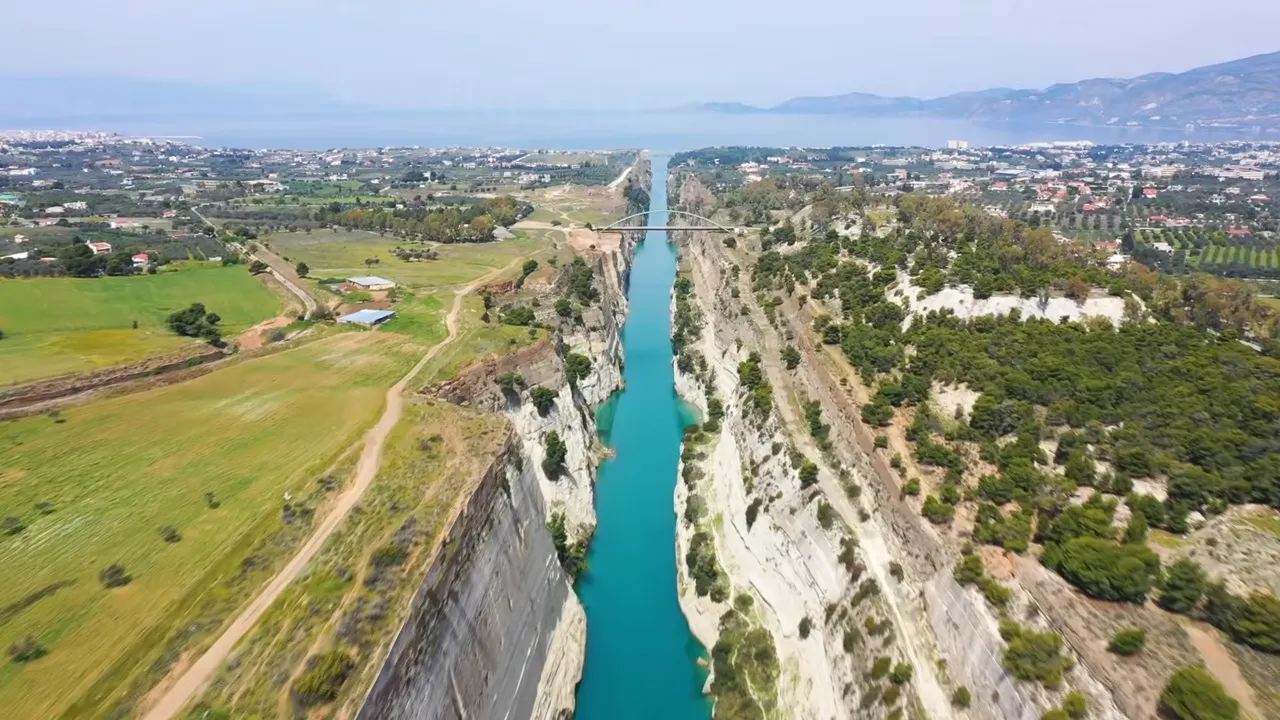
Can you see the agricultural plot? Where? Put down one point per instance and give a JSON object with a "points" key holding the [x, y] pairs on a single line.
{"points": [[62, 325], [199, 491], [341, 254]]}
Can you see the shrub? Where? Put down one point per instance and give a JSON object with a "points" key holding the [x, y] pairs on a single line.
{"points": [[891, 695], [12, 525], [912, 487], [1103, 569], [961, 698], [1032, 655], [543, 399], [170, 534], [880, 667], [114, 575], [211, 501], [196, 321], [1183, 586], [576, 366], [938, 513], [826, 515], [882, 441], [510, 381], [1055, 714], [806, 627], [323, 679], [1128, 641], [791, 357], [26, 650], [572, 556], [901, 674], [1193, 694], [556, 450], [1075, 705], [519, 316], [808, 473]]}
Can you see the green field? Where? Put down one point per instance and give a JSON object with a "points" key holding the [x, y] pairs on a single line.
{"points": [[62, 325], [116, 471], [342, 254]]}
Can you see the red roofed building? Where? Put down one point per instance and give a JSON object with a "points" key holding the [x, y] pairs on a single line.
{"points": [[1108, 245], [100, 248], [1238, 231], [1089, 207], [141, 259], [1159, 218], [1150, 192]]}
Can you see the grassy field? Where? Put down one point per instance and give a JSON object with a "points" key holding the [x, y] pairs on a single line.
{"points": [[432, 459], [114, 472], [62, 325], [342, 254]]}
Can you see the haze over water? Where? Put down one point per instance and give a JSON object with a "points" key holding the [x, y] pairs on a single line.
{"points": [[595, 130]]}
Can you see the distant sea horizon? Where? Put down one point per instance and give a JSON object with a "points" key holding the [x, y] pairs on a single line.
{"points": [[658, 130]]}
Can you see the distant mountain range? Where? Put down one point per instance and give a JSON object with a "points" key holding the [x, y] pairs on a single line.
{"points": [[1241, 93]]}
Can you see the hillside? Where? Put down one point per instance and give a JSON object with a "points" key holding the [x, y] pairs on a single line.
{"points": [[1238, 93]]}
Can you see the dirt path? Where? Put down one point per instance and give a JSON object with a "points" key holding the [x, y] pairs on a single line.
{"points": [[279, 273], [195, 678], [1219, 661]]}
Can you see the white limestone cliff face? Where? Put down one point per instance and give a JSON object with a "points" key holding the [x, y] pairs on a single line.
{"points": [[785, 559], [960, 300]]}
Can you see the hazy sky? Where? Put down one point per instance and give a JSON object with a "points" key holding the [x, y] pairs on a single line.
{"points": [[629, 53]]}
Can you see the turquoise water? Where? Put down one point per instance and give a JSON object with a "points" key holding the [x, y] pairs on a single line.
{"points": [[641, 657]]}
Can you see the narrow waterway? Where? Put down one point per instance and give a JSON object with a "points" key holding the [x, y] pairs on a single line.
{"points": [[641, 657]]}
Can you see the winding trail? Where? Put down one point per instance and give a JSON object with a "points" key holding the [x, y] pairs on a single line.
{"points": [[197, 676]]}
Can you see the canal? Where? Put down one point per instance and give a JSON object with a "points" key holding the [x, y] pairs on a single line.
{"points": [[641, 658]]}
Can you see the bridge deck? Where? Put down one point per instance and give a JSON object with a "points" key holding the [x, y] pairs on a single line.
{"points": [[711, 228]]}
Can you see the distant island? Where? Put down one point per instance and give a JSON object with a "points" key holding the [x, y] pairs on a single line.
{"points": [[1239, 94]]}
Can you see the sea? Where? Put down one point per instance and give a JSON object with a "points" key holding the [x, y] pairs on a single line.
{"points": [[663, 131]]}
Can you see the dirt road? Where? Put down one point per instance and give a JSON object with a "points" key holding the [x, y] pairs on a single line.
{"points": [[308, 302], [189, 685]]}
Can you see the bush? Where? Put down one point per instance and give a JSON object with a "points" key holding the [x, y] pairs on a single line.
{"points": [[576, 366], [891, 695], [543, 399], [519, 316], [26, 650], [511, 381], [901, 674], [826, 515], [1128, 641], [912, 487], [170, 534], [961, 698], [881, 667], [806, 627], [12, 525], [882, 441], [1032, 655], [1183, 586], [114, 575], [1103, 569], [938, 513], [323, 679], [556, 450], [808, 474], [1075, 705], [1193, 694], [791, 357]]}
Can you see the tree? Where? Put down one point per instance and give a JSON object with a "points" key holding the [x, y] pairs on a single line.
{"points": [[1128, 641], [791, 357], [257, 267], [529, 267], [1183, 586], [302, 269], [196, 321], [1032, 655], [1193, 694], [808, 473]]}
